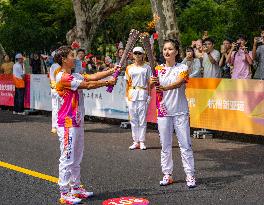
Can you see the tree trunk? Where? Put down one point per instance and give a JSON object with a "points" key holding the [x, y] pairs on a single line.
{"points": [[89, 16], [2, 53], [167, 26]]}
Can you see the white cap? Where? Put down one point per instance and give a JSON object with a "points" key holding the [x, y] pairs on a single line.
{"points": [[19, 55], [138, 49]]}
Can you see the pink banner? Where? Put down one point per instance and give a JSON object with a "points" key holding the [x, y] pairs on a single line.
{"points": [[7, 90]]}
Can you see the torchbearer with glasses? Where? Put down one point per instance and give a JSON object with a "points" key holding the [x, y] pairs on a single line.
{"points": [[138, 96]]}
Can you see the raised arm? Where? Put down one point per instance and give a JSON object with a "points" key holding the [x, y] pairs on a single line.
{"points": [[96, 84], [100, 75], [254, 50]]}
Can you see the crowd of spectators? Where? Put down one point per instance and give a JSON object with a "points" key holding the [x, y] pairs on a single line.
{"points": [[232, 60]]}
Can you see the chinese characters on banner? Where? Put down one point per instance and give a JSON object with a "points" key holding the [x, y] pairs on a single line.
{"points": [[7, 90], [217, 104]]}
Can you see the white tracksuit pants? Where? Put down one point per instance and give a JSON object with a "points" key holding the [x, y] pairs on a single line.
{"points": [[138, 114], [54, 107], [181, 124], [71, 147]]}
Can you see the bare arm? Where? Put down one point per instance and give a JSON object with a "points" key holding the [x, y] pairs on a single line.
{"points": [[228, 57], [99, 75], [254, 50], [248, 58], [96, 84], [177, 84], [222, 60]]}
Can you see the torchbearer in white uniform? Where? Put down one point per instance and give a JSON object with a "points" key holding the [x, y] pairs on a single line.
{"points": [[173, 113], [54, 96], [138, 96], [70, 123]]}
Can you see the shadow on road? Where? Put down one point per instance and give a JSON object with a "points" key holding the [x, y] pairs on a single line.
{"points": [[236, 162]]}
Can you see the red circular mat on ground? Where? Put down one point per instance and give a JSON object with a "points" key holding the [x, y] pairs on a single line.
{"points": [[126, 201]]}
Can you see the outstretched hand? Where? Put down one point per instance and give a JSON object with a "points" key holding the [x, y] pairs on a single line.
{"points": [[112, 81]]}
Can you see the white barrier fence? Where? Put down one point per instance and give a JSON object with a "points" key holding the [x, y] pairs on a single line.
{"points": [[97, 102]]}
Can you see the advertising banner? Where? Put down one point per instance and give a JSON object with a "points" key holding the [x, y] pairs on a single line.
{"points": [[216, 104], [225, 104], [7, 90], [100, 103], [40, 95]]}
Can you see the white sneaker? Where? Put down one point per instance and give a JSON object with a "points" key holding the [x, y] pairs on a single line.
{"points": [[68, 198], [190, 181], [142, 146], [21, 113], [14, 112], [135, 145], [81, 193], [167, 180]]}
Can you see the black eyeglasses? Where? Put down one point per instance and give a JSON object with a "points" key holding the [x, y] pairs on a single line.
{"points": [[137, 53]]}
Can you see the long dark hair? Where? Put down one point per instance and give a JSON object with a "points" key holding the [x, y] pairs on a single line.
{"points": [[176, 45], [61, 52]]}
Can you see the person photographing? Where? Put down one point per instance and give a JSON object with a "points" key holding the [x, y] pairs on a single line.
{"points": [[240, 59]]}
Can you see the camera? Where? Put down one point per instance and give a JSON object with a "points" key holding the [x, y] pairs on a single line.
{"points": [[237, 46]]}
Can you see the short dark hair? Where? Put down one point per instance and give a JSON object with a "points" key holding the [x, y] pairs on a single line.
{"points": [[261, 28], [228, 39], [61, 52], [80, 49], [209, 39], [242, 36]]}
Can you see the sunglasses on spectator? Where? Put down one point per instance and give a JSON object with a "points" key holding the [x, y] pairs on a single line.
{"points": [[137, 53]]}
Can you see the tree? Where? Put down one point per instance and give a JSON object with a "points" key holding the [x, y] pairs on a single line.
{"points": [[117, 26], [89, 15], [34, 26], [167, 26], [221, 18]]}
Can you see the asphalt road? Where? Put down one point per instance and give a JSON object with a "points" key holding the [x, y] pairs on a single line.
{"points": [[228, 172]]}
